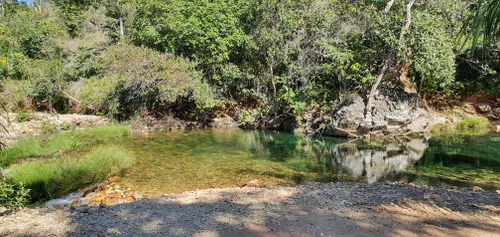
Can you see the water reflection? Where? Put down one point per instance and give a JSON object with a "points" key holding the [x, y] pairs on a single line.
{"points": [[377, 163], [181, 161]]}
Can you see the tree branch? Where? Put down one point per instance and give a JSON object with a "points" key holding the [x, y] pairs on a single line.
{"points": [[387, 62]]}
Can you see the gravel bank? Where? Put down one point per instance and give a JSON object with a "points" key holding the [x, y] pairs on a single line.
{"points": [[336, 209]]}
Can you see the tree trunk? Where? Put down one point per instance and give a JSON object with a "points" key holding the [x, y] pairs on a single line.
{"points": [[388, 6], [122, 30], [387, 62]]}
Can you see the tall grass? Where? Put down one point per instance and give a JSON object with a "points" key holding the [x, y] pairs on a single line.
{"points": [[467, 126], [51, 145], [56, 177]]}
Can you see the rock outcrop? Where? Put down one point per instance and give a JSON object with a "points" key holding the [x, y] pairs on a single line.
{"points": [[395, 112]]}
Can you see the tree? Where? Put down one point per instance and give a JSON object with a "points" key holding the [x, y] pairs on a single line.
{"points": [[483, 25], [387, 62]]}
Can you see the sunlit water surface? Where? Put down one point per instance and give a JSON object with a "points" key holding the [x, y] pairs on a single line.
{"points": [[181, 161]]}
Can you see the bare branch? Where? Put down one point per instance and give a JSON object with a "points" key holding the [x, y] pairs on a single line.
{"points": [[387, 61], [388, 7]]}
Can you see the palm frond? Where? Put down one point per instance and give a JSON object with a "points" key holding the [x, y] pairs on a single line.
{"points": [[483, 26]]}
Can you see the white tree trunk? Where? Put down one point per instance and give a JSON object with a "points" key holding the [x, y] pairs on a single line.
{"points": [[387, 62]]}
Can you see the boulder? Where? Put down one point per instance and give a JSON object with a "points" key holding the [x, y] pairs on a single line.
{"points": [[394, 112], [496, 111], [483, 107]]}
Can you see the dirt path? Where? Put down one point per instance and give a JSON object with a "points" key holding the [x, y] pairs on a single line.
{"points": [[340, 209]]}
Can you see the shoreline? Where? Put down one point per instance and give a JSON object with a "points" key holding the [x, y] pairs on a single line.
{"points": [[331, 209]]}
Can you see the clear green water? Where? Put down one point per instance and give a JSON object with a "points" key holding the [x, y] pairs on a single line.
{"points": [[181, 161]]}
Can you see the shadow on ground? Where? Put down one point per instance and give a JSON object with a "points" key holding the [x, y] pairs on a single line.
{"points": [[341, 209], [309, 210]]}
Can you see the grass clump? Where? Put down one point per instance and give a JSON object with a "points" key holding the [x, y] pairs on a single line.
{"points": [[473, 126], [467, 126], [24, 116], [51, 145], [56, 177]]}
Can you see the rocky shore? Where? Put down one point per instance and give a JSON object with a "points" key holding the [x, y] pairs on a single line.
{"points": [[314, 209]]}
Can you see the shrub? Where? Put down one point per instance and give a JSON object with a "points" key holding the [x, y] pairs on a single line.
{"points": [[136, 78], [97, 94], [13, 93], [24, 116], [13, 196], [57, 177], [434, 59]]}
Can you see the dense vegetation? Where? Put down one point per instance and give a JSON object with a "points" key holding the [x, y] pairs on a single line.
{"points": [[265, 62]]}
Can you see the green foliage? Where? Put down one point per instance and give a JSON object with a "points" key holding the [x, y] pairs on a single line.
{"points": [[473, 125], [467, 126], [483, 25], [28, 33], [136, 78], [98, 94], [285, 59], [209, 31], [13, 195], [433, 56], [52, 145], [57, 177], [71, 12], [24, 116]]}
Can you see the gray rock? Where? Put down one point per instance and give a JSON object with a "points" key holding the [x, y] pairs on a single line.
{"points": [[483, 107], [496, 111], [138, 197], [394, 112]]}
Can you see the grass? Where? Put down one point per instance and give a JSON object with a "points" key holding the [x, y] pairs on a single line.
{"points": [[56, 177], [24, 116], [467, 126], [51, 145]]}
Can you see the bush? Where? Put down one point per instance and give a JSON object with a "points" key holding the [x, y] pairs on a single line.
{"points": [[54, 178], [24, 116], [433, 59], [97, 94], [13, 93], [13, 196], [136, 78]]}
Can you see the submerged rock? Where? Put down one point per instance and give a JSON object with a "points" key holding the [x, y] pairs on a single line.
{"points": [[106, 194]]}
